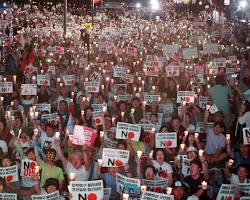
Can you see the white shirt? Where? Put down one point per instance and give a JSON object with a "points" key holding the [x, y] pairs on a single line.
{"points": [[3, 146], [245, 119], [163, 170], [81, 174], [234, 180]]}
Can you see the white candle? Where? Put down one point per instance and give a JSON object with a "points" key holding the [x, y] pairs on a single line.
{"points": [[196, 135], [101, 134], [228, 136], [82, 112], [14, 78], [153, 130], [132, 111], [204, 185], [207, 107], [144, 103], [182, 146], [2, 98], [230, 162], [12, 103], [142, 82], [201, 152], [139, 153], [104, 109], [122, 114], [169, 190], [37, 169], [185, 133], [208, 86], [57, 135], [125, 196], [153, 87], [183, 103], [99, 161], [115, 97], [143, 188], [4, 79], [72, 176]]}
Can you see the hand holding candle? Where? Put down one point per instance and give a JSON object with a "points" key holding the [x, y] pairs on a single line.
{"points": [[204, 185]]}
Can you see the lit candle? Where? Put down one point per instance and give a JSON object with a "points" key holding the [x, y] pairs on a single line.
{"points": [[139, 153], [204, 185], [230, 162], [14, 78], [196, 135], [142, 82], [4, 79], [183, 103], [99, 162], [151, 154], [122, 114], [143, 188], [72, 176], [153, 87], [185, 133], [57, 135], [153, 130], [132, 111], [125, 196], [182, 146], [2, 98], [207, 107], [144, 103], [82, 112], [177, 86], [169, 190], [101, 134], [208, 86], [104, 109], [37, 168], [115, 97], [227, 136], [201, 152]]}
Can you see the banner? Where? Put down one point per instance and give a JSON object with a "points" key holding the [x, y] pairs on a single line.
{"points": [[87, 190], [163, 140], [210, 48], [187, 96], [156, 196], [189, 53], [130, 185], [155, 185], [28, 168], [92, 87], [50, 196], [114, 157], [40, 107], [246, 135], [8, 196], [128, 131], [43, 80], [9, 173], [226, 192], [84, 136], [28, 89], [150, 98], [6, 87], [69, 79]]}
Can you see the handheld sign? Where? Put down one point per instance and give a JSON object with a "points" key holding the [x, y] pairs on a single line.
{"points": [[43, 79], [128, 185], [163, 140], [156, 196], [84, 135], [188, 53], [203, 101], [51, 118], [92, 87], [6, 87], [107, 193], [50, 196], [95, 76], [128, 131], [8, 196], [226, 192], [86, 190], [213, 109], [187, 96], [155, 185], [244, 188], [125, 97], [246, 135], [210, 48], [40, 107], [150, 98], [28, 89], [114, 157], [9, 173], [69, 79], [173, 71], [119, 72], [28, 168]]}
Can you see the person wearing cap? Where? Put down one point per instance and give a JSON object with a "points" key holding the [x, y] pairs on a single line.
{"points": [[180, 190]]}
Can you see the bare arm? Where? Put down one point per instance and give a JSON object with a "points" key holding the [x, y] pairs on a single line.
{"points": [[60, 154]]}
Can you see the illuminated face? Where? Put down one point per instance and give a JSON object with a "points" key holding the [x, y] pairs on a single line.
{"points": [[76, 161]]}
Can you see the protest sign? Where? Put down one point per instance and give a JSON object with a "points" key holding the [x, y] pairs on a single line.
{"points": [[42, 79], [8, 196], [109, 143], [151, 70], [128, 131], [167, 108], [150, 98], [52, 70], [188, 53], [244, 188], [98, 107], [213, 109], [226, 192], [82, 190], [128, 78], [170, 50], [114, 157], [51, 118], [107, 193], [244, 198], [28, 89], [69, 79], [163, 140], [156, 196], [203, 101], [119, 72], [40, 107], [185, 167], [185, 96], [95, 76], [246, 135], [10, 174], [28, 168], [128, 185], [199, 69], [219, 62], [92, 87], [83, 136], [210, 48], [49, 196], [97, 117], [124, 97], [213, 70], [173, 70], [6, 87], [155, 185]]}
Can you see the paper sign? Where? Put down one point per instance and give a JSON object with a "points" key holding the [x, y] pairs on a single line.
{"points": [[128, 78], [244, 198], [150, 98], [125, 97], [28, 89], [219, 62], [87, 190], [128, 131], [129, 185], [132, 51], [151, 70], [118, 86], [167, 108], [203, 101], [156, 196], [98, 107], [200, 126], [69, 79], [52, 70], [84, 136], [51, 118], [50, 196], [9, 173], [28, 168], [155, 185], [97, 117], [107, 193], [114, 157], [213, 109], [199, 69], [188, 53], [163, 140], [226, 192], [244, 188], [8, 196], [185, 167], [213, 70], [173, 71], [246, 136], [170, 50], [6, 87], [231, 70], [95, 76], [187, 96], [92, 87], [210, 48], [109, 143], [43, 80], [40, 107], [119, 72], [59, 50]]}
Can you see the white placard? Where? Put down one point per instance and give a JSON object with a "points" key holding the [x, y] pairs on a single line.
{"points": [[155, 185], [98, 107], [244, 187], [109, 143], [170, 50], [95, 76], [173, 70], [28, 89], [151, 70], [246, 135], [6, 87], [213, 70], [51, 118], [185, 169], [50, 196], [87, 190], [187, 96], [188, 53], [28, 167], [119, 72], [203, 101], [114, 157], [226, 192], [213, 109], [163, 140], [167, 108], [210, 48], [156, 196], [52, 69], [219, 62], [83, 135], [69, 79], [128, 131], [9, 173], [40, 107], [43, 79], [125, 97], [92, 87], [150, 98], [8, 196], [107, 193]]}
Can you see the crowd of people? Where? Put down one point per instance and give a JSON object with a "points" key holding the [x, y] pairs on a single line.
{"points": [[168, 98]]}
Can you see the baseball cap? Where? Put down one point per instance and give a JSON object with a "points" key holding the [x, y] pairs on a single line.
{"points": [[192, 148]]}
